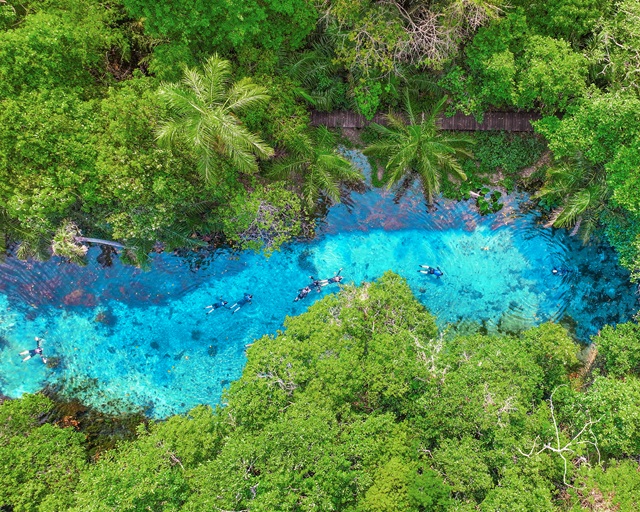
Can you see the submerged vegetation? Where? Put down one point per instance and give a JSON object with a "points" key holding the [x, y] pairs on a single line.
{"points": [[360, 404]]}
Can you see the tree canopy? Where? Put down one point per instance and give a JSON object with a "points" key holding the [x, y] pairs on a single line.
{"points": [[361, 404]]}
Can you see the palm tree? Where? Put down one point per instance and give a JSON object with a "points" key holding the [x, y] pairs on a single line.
{"points": [[419, 150], [315, 166], [203, 112], [581, 190], [319, 76]]}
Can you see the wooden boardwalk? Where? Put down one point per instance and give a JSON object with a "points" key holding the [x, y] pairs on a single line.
{"points": [[508, 121]]}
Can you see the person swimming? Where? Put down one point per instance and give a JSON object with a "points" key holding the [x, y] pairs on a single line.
{"points": [[336, 278], [319, 283], [220, 304], [431, 270], [316, 283], [560, 271], [302, 293], [244, 300], [34, 352]]}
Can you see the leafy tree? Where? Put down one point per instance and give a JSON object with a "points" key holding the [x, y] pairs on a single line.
{"points": [[246, 26], [618, 44], [139, 475], [554, 351], [46, 51], [263, 219], [493, 59], [467, 376], [552, 75], [316, 167], [47, 155], [619, 346], [571, 20], [614, 405], [418, 150], [597, 128], [151, 472], [398, 486], [42, 463], [616, 486], [520, 495], [623, 177], [509, 65], [203, 113], [464, 468]]}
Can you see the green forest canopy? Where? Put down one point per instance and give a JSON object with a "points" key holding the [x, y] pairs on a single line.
{"points": [[360, 404]]}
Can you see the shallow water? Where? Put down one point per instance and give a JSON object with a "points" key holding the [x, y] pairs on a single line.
{"points": [[128, 338]]}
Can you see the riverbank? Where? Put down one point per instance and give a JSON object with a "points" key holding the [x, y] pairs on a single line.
{"points": [[126, 336]]}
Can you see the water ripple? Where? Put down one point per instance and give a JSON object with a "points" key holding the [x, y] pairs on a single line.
{"points": [[126, 336]]}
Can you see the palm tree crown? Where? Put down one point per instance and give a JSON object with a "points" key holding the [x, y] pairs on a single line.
{"points": [[203, 110], [316, 166], [580, 190], [419, 149]]}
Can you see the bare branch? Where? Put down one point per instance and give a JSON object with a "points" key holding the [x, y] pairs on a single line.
{"points": [[567, 449]]}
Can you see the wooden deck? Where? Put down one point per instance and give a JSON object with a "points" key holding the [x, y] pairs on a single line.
{"points": [[507, 121]]}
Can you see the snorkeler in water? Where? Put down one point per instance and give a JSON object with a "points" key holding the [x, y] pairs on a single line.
{"points": [[302, 293], [336, 278], [316, 283], [220, 304], [34, 352], [319, 283], [560, 271], [431, 270], [244, 300]]}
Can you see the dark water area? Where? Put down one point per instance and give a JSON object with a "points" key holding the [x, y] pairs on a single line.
{"points": [[124, 338]]}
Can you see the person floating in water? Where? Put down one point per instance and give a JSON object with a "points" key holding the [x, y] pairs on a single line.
{"points": [[337, 278], [244, 300], [316, 283], [34, 352], [302, 293], [560, 271], [319, 283], [220, 304], [431, 270]]}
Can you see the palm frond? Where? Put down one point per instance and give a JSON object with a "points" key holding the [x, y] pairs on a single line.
{"points": [[216, 75], [245, 93], [577, 204]]}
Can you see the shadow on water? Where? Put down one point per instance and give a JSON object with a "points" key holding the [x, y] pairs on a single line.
{"points": [[128, 339]]}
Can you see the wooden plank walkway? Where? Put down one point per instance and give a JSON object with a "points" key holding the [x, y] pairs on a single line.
{"points": [[507, 121]]}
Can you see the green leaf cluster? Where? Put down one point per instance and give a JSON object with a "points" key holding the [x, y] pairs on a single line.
{"points": [[509, 65]]}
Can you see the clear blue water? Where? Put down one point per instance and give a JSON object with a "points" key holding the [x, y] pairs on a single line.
{"points": [[127, 338]]}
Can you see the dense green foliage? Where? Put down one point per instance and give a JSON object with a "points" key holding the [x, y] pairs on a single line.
{"points": [[360, 404], [87, 87]]}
